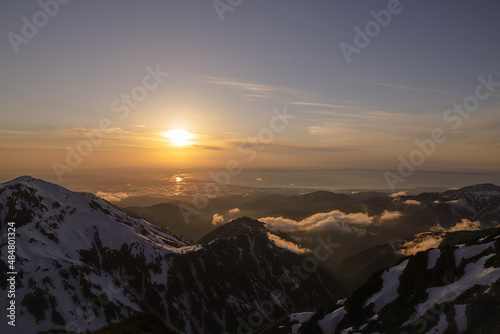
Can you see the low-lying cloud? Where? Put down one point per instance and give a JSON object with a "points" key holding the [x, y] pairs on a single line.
{"points": [[398, 194], [425, 241], [112, 197], [217, 219], [412, 202], [390, 215], [336, 221], [421, 243], [464, 225], [287, 244]]}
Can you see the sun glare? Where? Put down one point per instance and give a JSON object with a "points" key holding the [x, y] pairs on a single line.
{"points": [[179, 137]]}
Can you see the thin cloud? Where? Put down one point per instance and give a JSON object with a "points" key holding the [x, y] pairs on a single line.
{"points": [[256, 90], [418, 89], [14, 132], [208, 147], [282, 148], [287, 244], [348, 109]]}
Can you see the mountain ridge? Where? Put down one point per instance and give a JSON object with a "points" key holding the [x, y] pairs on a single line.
{"points": [[83, 264]]}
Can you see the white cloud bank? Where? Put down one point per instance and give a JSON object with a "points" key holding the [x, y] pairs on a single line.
{"points": [[412, 202], [422, 242], [425, 241], [337, 221], [464, 225], [398, 194], [390, 215]]}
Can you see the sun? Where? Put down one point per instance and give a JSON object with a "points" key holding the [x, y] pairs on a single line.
{"points": [[179, 137]]}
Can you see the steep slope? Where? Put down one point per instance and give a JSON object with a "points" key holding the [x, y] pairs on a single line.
{"points": [[451, 289], [83, 264], [248, 270], [355, 270]]}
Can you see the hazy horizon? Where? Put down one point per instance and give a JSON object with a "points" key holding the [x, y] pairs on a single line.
{"points": [[147, 186]]}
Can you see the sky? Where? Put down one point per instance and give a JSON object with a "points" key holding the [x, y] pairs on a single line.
{"points": [[269, 84]]}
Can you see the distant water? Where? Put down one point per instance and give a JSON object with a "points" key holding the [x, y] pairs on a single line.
{"points": [[357, 179], [120, 184]]}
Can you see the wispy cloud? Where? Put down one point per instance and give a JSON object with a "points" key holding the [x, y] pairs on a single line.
{"points": [[287, 148], [258, 90], [348, 109], [14, 132], [207, 147], [418, 89], [287, 244]]}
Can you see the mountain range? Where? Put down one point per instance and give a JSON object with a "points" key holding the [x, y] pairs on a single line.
{"points": [[454, 288], [83, 263]]}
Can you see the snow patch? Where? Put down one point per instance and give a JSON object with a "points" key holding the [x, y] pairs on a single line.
{"points": [[330, 321], [301, 318], [390, 287], [461, 318], [475, 273], [466, 252], [434, 255]]}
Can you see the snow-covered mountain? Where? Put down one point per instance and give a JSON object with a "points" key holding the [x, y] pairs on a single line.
{"points": [[83, 263], [475, 203], [451, 289]]}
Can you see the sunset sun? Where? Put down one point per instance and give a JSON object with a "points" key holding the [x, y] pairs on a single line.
{"points": [[179, 137]]}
